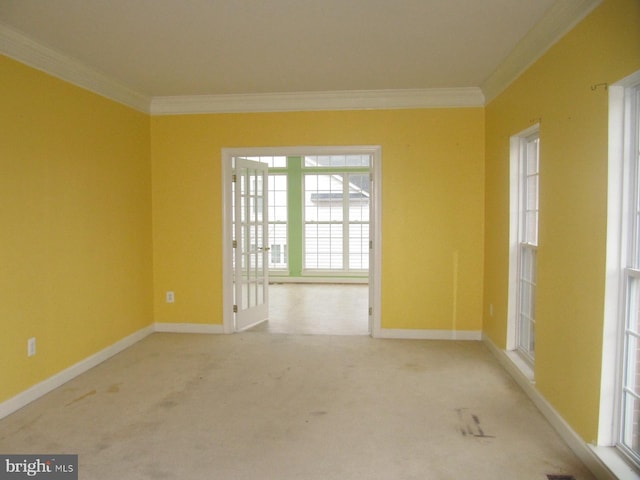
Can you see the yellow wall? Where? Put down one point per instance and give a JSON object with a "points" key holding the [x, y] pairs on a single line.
{"points": [[605, 47], [432, 206], [75, 210], [104, 209]]}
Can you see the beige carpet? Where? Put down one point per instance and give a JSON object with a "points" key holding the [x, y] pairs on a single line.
{"points": [[285, 407]]}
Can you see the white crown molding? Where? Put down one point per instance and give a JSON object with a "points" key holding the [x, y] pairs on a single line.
{"points": [[559, 19], [16, 45], [309, 101]]}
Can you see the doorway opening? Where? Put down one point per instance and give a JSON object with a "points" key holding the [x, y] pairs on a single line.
{"points": [[313, 254], [317, 309]]}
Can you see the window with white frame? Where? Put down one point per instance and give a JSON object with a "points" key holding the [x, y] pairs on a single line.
{"points": [[278, 216], [334, 220], [525, 184], [628, 383], [336, 213]]}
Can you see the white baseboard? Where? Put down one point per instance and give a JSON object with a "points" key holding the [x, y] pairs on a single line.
{"points": [[275, 279], [574, 441], [188, 328], [409, 334], [33, 393], [22, 399], [582, 450]]}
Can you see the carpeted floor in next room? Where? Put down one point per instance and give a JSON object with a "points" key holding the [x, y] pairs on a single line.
{"points": [[259, 406]]}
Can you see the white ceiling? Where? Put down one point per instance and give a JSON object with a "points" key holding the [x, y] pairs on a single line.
{"points": [[161, 48]]}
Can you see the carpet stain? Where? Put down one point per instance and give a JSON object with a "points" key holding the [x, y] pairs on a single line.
{"points": [[82, 397], [168, 404], [101, 447], [115, 388], [26, 426], [470, 424]]}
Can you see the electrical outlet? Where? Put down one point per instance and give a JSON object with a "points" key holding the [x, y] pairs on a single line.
{"points": [[31, 347], [170, 297]]}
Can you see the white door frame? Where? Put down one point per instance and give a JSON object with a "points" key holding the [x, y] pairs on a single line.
{"points": [[375, 284]]}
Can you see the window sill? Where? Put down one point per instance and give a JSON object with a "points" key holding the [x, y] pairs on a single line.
{"points": [[613, 460], [521, 364]]}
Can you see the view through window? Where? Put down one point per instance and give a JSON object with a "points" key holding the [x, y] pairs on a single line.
{"points": [[319, 209]]}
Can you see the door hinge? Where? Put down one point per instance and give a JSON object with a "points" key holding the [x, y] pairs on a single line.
{"points": [[234, 178], [370, 244], [370, 311], [235, 309], [234, 244]]}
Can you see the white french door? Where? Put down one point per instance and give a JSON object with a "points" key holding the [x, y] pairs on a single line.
{"points": [[250, 242], [233, 274]]}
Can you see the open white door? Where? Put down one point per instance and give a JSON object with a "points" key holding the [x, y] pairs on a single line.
{"points": [[251, 271]]}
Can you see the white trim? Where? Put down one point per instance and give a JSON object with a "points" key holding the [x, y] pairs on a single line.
{"points": [[514, 229], [228, 318], [375, 282], [16, 45], [611, 457], [521, 364], [613, 291], [559, 19], [619, 214], [38, 390], [206, 328], [629, 81], [312, 101], [516, 148], [408, 334], [582, 450]]}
